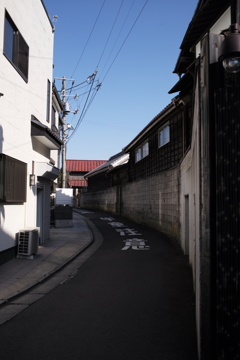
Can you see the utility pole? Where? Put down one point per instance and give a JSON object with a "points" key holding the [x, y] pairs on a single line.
{"points": [[64, 133], [66, 111]]}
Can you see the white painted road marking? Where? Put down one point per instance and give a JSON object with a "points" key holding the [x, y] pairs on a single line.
{"points": [[107, 218], [135, 244], [127, 232], [116, 224]]}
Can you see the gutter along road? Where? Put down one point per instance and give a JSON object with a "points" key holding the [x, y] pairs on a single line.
{"points": [[132, 298]]}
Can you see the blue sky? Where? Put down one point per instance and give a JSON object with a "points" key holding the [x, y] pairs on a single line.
{"points": [[134, 60]]}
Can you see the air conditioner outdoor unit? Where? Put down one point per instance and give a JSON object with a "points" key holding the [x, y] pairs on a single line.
{"points": [[28, 240]]}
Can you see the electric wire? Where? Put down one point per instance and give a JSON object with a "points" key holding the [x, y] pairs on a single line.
{"points": [[89, 37], [118, 36], [94, 91], [92, 98], [110, 32], [83, 111], [80, 118], [125, 40], [72, 87], [86, 92]]}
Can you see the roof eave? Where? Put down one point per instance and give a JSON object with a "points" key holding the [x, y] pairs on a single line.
{"points": [[206, 14], [94, 172], [168, 109]]}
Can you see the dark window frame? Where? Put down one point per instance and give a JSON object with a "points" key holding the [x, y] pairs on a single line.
{"points": [[141, 152], [161, 131], [15, 48], [13, 180]]}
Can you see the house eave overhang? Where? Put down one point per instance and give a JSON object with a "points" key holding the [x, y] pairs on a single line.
{"points": [[112, 169], [45, 135], [185, 59], [95, 172], [183, 82], [112, 163], [119, 161], [205, 16], [46, 170]]}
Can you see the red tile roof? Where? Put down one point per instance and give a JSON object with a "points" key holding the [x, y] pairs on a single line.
{"points": [[83, 165], [77, 183]]}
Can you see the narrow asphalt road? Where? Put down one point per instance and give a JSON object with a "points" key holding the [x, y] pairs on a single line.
{"points": [[131, 299]]}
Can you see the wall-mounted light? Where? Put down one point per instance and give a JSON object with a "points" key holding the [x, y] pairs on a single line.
{"points": [[229, 53], [31, 179]]}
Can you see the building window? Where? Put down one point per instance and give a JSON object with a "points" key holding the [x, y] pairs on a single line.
{"points": [[53, 120], [142, 151], [13, 180], [164, 135], [48, 100], [187, 127], [15, 47]]}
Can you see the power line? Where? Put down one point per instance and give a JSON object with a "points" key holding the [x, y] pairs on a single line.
{"points": [[111, 126], [118, 35], [95, 90], [125, 40], [88, 38], [83, 111], [72, 87], [92, 91], [110, 32], [86, 92]]}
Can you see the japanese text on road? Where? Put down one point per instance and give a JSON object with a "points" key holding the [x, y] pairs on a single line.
{"points": [[133, 243]]}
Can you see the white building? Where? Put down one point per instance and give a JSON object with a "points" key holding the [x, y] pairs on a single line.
{"points": [[29, 139]]}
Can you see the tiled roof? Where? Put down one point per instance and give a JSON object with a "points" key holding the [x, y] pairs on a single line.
{"points": [[83, 165], [77, 183]]}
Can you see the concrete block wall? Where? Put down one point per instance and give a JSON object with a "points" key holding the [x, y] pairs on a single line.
{"points": [[102, 200], [153, 201]]}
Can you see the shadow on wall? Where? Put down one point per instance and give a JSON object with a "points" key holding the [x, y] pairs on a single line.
{"points": [[1, 139], [7, 253], [2, 212]]}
